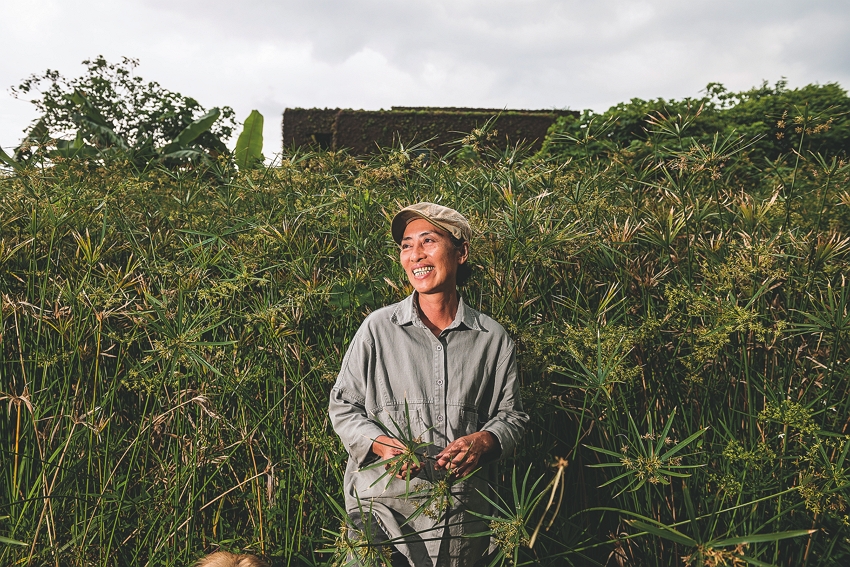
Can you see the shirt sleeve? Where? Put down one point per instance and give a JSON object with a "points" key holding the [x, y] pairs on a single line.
{"points": [[347, 407], [508, 421]]}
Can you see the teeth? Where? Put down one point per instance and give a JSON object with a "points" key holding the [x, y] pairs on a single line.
{"points": [[422, 271]]}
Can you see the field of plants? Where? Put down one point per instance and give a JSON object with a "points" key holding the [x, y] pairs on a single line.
{"points": [[170, 333]]}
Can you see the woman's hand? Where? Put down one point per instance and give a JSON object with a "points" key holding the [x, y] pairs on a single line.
{"points": [[462, 455], [386, 448]]}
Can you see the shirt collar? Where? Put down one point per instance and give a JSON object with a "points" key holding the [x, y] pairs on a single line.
{"points": [[407, 313]]}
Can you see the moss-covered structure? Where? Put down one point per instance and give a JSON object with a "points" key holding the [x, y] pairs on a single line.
{"points": [[365, 131]]}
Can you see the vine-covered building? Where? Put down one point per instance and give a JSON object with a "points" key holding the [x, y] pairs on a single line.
{"points": [[435, 128]]}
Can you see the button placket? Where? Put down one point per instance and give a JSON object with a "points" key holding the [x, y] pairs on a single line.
{"points": [[440, 397]]}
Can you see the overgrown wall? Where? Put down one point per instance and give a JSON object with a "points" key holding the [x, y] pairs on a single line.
{"points": [[306, 126], [362, 132]]}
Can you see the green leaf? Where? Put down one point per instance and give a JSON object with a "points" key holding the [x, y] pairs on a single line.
{"points": [[9, 541], [37, 135], [681, 445], [663, 532], [39, 132], [73, 148], [249, 146], [756, 562], [188, 153], [7, 159], [88, 109], [616, 478], [760, 538], [663, 437], [605, 452], [105, 135], [668, 472], [192, 131]]}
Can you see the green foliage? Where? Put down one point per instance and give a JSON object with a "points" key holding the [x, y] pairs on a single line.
{"points": [[110, 112], [813, 118], [649, 457], [354, 547], [169, 339], [249, 145], [508, 524], [412, 455], [9, 160]]}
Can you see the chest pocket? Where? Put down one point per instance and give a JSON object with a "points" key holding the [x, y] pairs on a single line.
{"points": [[465, 422], [400, 423]]}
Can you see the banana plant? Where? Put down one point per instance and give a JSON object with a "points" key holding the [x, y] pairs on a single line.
{"points": [[182, 147], [249, 145], [96, 138]]}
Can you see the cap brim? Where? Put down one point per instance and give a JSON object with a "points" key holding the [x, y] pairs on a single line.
{"points": [[399, 223], [403, 218]]}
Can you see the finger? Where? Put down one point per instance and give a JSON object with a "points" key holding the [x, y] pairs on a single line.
{"points": [[459, 470], [460, 457], [449, 456], [470, 463], [444, 458], [467, 467], [453, 447], [449, 460], [408, 473]]}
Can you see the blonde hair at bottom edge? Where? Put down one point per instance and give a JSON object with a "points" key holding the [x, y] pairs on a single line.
{"points": [[225, 559]]}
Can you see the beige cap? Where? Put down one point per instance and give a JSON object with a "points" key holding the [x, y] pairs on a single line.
{"points": [[442, 217]]}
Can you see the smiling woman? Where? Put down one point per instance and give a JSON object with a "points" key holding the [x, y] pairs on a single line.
{"points": [[445, 375], [431, 262]]}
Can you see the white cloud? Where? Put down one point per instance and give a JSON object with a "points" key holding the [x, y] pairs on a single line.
{"points": [[268, 54]]}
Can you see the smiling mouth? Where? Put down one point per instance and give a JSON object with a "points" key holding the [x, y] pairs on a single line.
{"points": [[423, 271]]}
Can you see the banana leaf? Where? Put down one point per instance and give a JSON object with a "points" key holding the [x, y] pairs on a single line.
{"points": [[191, 132], [249, 146]]}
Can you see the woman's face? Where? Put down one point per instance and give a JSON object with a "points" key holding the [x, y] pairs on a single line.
{"points": [[430, 259]]}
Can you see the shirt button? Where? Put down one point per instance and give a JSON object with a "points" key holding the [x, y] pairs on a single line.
{"points": [[440, 382], [439, 418], [439, 347]]}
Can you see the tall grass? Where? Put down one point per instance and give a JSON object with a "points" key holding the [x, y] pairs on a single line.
{"points": [[169, 340]]}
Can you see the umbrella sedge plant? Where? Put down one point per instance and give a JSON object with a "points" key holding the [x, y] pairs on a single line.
{"points": [[169, 338]]}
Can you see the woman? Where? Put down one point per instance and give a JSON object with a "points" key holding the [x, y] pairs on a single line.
{"points": [[450, 372]]}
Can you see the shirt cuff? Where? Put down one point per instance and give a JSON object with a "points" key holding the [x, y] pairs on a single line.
{"points": [[503, 436], [360, 445]]}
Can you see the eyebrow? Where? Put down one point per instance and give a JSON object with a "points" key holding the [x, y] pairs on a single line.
{"points": [[423, 233]]}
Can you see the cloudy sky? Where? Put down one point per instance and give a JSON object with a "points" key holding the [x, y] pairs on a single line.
{"points": [[371, 54]]}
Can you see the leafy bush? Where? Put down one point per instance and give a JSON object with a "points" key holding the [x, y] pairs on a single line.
{"points": [[813, 118], [111, 107], [169, 341]]}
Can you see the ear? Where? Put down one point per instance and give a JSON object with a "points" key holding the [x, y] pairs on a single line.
{"points": [[463, 255]]}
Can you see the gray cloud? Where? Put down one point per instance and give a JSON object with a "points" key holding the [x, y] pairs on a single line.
{"points": [[377, 53], [515, 49]]}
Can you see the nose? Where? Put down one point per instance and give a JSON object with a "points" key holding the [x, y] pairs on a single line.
{"points": [[417, 251]]}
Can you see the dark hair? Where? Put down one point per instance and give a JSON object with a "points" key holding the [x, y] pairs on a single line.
{"points": [[464, 271]]}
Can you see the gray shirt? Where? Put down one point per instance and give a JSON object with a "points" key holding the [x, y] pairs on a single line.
{"points": [[461, 382]]}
